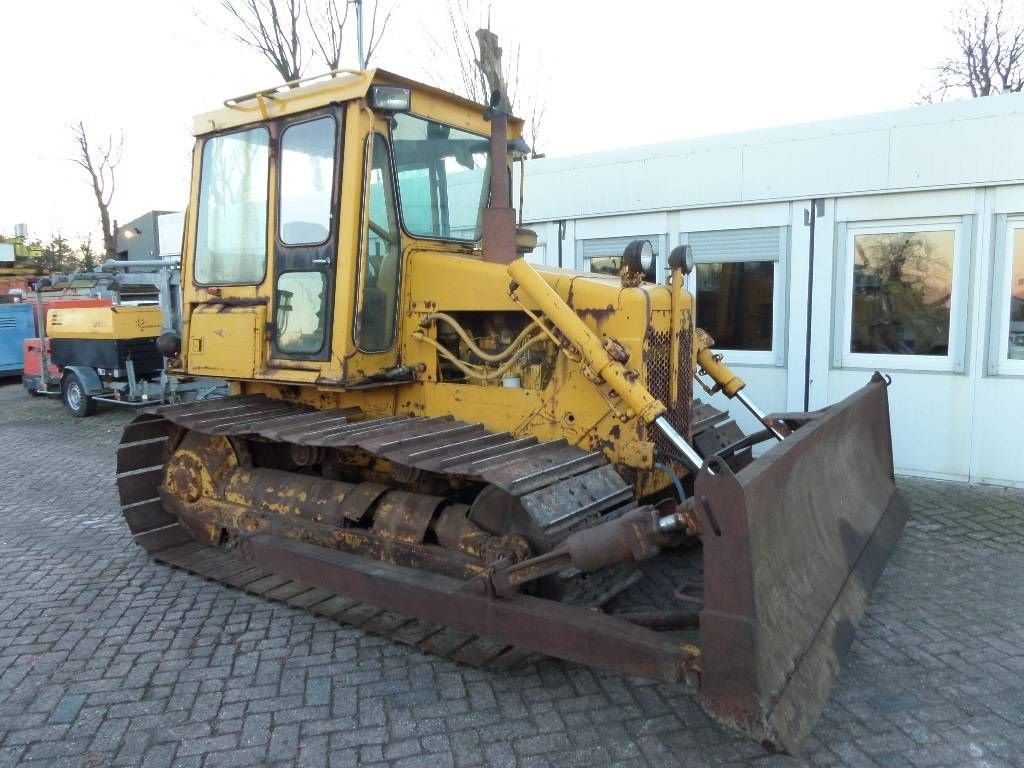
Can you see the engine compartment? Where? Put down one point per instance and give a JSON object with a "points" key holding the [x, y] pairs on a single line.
{"points": [[506, 349]]}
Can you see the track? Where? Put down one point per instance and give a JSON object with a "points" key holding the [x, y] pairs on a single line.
{"points": [[562, 486]]}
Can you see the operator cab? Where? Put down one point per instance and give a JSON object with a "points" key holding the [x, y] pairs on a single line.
{"points": [[307, 202]]}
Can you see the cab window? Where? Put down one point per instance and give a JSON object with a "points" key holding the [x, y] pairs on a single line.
{"points": [[383, 255], [231, 236], [442, 178], [307, 179], [300, 312]]}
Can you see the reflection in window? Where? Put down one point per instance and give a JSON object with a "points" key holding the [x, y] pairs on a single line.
{"points": [[735, 303], [231, 240], [307, 178], [300, 312], [1016, 348], [383, 256], [442, 178], [902, 286]]}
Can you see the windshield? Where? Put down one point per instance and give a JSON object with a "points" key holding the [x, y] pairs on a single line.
{"points": [[442, 178]]}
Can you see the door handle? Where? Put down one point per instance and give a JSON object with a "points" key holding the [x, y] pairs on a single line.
{"points": [[322, 261]]}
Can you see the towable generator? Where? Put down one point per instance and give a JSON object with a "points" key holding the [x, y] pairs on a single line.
{"points": [[432, 439], [96, 347], [94, 351]]}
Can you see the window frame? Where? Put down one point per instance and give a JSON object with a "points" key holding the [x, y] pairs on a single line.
{"points": [[954, 359], [478, 241], [267, 250], [1000, 363], [334, 187], [776, 356]]}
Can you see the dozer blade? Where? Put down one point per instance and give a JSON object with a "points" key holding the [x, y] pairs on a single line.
{"points": [[793, 545]]}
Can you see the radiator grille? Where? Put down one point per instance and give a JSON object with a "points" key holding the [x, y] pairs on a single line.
{"points": [[657, 357], [8, 322]]}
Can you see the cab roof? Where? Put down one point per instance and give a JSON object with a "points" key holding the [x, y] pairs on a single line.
{"points": [[310, 93]]}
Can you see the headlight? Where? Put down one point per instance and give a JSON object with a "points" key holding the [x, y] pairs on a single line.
{"points": [[638, 256], [169, 343], [682, 257], [390, 98]]}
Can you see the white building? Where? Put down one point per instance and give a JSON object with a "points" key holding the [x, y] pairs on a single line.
{"points": [[918, 263]]}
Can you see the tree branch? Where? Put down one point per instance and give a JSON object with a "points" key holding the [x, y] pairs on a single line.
{"points": [[990, 51], [376, 35]]}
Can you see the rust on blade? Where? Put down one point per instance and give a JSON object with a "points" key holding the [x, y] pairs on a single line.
{"points": [[793, 545]]}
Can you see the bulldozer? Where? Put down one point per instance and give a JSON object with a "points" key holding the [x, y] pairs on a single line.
{"points": [[435, 440]]}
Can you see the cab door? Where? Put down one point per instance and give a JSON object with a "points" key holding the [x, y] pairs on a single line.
{"points": [[308, 166], [377, 318]]}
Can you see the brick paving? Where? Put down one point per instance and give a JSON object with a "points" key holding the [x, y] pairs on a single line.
{"points": [[109, 659]]}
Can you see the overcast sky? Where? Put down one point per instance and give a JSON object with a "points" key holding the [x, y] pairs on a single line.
{"points": [[615, 74]]}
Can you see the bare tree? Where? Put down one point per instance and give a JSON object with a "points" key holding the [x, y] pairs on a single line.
{"points": [[475, 64], [289, 34], [376, 33], [328, 29], [272, 29], [100, 163], [989, 52]]}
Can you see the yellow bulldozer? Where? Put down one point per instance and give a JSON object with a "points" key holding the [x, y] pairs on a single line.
{"points": [[432, 439]]}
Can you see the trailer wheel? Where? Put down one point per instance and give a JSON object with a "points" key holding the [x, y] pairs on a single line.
{"points": [[76, 399]]}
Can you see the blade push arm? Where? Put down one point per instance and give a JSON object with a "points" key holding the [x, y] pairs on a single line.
{"points": [[725, 381]]}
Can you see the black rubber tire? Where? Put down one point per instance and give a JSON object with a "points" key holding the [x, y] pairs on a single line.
{"points": [[75, 399]]}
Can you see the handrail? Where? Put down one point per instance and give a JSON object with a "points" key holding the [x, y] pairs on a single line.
{"points": [[268, 93]]}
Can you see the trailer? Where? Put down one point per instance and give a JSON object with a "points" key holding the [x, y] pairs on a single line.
{"points": [[98, 350]]}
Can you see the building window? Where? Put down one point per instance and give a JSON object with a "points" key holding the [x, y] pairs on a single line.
{"points": [[738, 287], [604, 255], [734, 303], [901, 296], [901, 293], [1007, 346], [1015, 337]]}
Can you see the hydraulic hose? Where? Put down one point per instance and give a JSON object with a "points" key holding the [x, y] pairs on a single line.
{"points": [[474, 371], [673, 477], [496, 357]]}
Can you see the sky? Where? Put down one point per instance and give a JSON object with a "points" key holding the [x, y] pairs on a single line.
{"points": [[611, 75]]}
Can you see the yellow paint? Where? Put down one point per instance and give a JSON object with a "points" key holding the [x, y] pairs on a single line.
{"points": [[103, 323], [623, 380], [590, 400], [225, 343], [348, 86], [725, 380], [678, 301]]}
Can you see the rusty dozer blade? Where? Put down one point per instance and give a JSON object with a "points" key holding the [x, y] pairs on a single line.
{"points": [[793, 545]]}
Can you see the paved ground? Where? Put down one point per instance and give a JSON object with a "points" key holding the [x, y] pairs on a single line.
{"points": [[109, 659]]}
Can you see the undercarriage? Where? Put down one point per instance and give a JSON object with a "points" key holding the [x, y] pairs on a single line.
{"points": [[487, 548]]}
